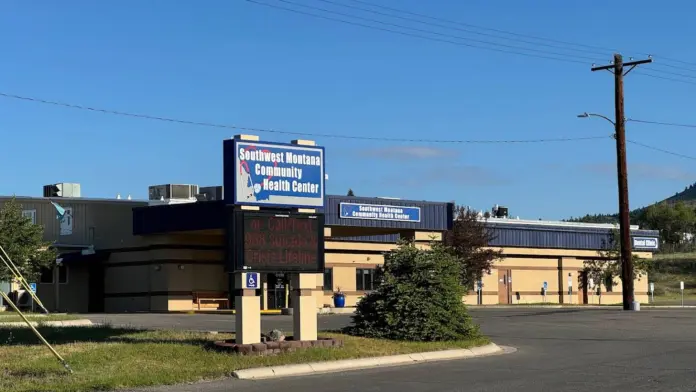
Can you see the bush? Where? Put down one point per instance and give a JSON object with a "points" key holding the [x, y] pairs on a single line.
{"points": [[419, 298]]}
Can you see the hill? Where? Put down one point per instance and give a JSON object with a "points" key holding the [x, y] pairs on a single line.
{"points": [[688, 196]]}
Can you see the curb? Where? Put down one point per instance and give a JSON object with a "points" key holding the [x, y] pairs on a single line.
{"points": [[67, 323], [365, 363]]}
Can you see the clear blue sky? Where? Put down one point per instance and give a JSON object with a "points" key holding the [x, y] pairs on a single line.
{"points": [[234, 62]]}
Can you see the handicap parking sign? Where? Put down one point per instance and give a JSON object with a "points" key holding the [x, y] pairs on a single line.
{"points": [[252, 280], [32, 286]]}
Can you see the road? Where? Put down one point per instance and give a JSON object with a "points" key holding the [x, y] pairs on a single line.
{"points": [[558, 350]]}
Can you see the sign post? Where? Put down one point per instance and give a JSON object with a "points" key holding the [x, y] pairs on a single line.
{"points": [[544, 289], [652, 292], [32, 286], [479, 291], [681, 287], [590, 284], [570, 287]]}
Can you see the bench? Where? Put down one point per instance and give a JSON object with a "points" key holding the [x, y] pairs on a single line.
{"points": [[211, 296]]}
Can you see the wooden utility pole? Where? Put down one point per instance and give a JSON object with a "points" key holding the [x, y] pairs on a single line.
{"points": [[617, 68]]}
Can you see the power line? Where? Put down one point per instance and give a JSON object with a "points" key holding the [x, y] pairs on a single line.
{"points": [[661, 150], [250, 129], [603, 49], [415, 35], [596, 52], [436, 33], [545, 54], [670, 124]]}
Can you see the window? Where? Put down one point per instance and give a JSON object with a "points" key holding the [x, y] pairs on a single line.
{"points": [[31, 214], [364, 279], [328, 279], [46, 276], [609, 283]]}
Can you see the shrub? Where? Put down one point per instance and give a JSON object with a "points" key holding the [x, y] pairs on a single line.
{"points": [[419, 298]]}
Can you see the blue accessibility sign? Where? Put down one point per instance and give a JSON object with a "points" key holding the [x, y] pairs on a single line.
{"points": [[32, 286], [546, 286], [252, 280]]}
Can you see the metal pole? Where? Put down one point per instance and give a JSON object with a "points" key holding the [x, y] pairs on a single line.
{"points": [[38, 335]]}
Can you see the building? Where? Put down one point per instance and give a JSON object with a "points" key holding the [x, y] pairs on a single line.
{"points": [[88, 224], [132, 256], [170, 253]]}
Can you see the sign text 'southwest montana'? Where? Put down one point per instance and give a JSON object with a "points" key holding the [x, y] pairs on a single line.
{"points": [[278, 174], [380, 212]]}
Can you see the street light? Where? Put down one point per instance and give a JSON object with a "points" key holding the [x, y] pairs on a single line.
{"points": [[629, 302], [587, 115]]}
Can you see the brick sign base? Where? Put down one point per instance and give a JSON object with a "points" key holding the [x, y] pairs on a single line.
{"points": [[272, 348]]}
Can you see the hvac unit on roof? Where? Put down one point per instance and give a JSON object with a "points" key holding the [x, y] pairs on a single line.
{"points": [[172, 191]]}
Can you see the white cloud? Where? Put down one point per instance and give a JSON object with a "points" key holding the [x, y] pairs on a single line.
{"points": [[409, 152]]}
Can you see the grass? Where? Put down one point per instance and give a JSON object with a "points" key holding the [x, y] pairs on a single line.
{"points": [[105, 358], [12, 317]]}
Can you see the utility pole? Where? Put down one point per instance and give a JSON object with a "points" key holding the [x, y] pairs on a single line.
{"points": [[617, 68]]}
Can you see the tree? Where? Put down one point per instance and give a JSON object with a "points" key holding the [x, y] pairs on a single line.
{"points": [[419, 298], [603, 269], [671, 220], [350, 192], [23, 242], [469, 241]]}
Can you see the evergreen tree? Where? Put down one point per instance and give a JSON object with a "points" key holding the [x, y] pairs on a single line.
{"points": [[419, 298], [23, 242]]}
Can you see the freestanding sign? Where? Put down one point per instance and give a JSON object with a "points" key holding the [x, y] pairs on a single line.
{"points": [[273, 174], [268, 241]]}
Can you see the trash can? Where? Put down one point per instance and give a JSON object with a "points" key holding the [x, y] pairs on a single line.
{"points": [[636, 306]]}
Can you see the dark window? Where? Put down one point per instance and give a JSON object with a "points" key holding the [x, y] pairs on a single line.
{"points": [[364, 279], [46, 276], [62, 274], [328, 279]]}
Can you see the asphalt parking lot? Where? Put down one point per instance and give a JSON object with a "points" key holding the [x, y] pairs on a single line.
{"points": [[558, 350]]}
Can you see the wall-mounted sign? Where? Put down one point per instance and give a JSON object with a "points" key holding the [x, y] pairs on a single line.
{"points": [[380, 212], [269, 241], [273, 174], [645, 243]]}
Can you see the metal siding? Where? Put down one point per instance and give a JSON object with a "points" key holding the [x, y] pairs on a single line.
{"points": [[110, 220], [384, 238], [550, 237], [434, 215]]}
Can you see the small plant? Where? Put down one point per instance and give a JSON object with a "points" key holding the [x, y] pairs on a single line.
{"points": [[339, 293]]}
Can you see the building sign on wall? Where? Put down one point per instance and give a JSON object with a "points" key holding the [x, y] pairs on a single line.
{"points": [[645, 243], [274, 174], [380, 212], [273, 242], [66, 222]]}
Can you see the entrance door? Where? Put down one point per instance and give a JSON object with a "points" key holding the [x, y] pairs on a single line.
{"points": [[276, 291], [504, 286], [583, 288], [95, 300]]}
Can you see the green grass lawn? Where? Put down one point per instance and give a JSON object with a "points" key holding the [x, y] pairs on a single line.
{"points": [[11, 317], [105, 358]]}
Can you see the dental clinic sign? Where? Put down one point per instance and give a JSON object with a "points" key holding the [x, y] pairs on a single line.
{"points": [[380, 212], [645, 243], [273, 174]]}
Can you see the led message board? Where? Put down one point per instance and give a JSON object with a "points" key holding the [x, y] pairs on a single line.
{"points": [[276, 242]]}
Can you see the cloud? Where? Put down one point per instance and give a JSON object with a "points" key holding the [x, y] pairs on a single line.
{"points": [[644, 171], [409, 152], [454, 176]]}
